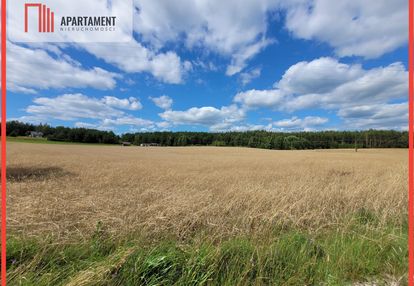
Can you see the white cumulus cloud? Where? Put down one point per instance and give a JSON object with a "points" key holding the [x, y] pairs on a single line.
{"points": [[234, 29], [32, 69], [352, 27], [206, 116], [133, 57], [163, 102], [346, 89], [130, 103], [76, 106], [247, 77]]}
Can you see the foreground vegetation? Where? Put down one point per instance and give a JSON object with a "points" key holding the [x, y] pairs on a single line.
{"points": [[81, 215], [359, 252], [253, 139]]}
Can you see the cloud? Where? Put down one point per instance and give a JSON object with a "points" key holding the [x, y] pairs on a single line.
{"points": [[205, 65], [29, 119], [286, 125], [135, 124], [206, 116], [75, 106], [238, 29], [238, 62], [163, 102], [223, 127], [247, 77], [352, 27], [168, 67], [234, 29], [377, 85], [273, 98], [133, 57], [318, 76], [108, 112], [127, 120], [328, 84], [163, 125], [85, 125], [33, 69], [301, 123], [131, 103], [379, 116]]}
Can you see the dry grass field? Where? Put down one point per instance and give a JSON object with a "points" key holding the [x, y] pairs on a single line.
{"points": [[328, 200]]}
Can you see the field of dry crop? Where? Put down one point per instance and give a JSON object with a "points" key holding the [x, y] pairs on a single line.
{"points": [[64, 191]]}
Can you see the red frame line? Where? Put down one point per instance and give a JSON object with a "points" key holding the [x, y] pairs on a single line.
{"points": [[411, 144], [3, 143], [410, 134]]}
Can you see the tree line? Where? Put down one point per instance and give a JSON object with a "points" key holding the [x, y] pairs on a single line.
{"points": [[61, 133], [276, 140], [253, 139]]}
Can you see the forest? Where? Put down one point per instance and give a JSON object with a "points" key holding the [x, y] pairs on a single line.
{"points": [[60, 133], [253, 139]]}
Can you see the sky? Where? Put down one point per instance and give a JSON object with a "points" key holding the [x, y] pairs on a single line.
{"points": [[210, 65]]}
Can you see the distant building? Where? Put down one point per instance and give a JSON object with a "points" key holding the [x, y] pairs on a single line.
{"points": [[150, 145], [126, 144], [35, 134]]}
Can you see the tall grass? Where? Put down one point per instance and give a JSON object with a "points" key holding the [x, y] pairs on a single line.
{"points": [[359, 253]]}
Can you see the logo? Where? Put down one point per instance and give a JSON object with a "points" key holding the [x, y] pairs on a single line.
{"points": [[45, 16], [72, 21]]}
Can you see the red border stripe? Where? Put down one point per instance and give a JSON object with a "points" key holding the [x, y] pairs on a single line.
{"points": [[3, 143], [411, 145], [410, 127]]}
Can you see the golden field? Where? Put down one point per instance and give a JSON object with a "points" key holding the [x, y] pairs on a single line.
{"points": [[65, 190]]}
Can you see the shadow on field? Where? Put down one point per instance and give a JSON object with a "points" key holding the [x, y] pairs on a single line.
{"points": [[34, 173]]}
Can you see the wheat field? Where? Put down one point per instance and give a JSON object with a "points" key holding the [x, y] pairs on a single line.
{"points": [[64, 191]]}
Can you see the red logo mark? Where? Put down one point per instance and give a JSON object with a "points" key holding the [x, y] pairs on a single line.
{"points": [[46, 18]]}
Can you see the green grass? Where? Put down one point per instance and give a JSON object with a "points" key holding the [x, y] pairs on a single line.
{"points": [[360, 252], [22, 139]]}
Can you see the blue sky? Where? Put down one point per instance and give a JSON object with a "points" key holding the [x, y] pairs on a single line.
{"points": [[207, 65]]}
